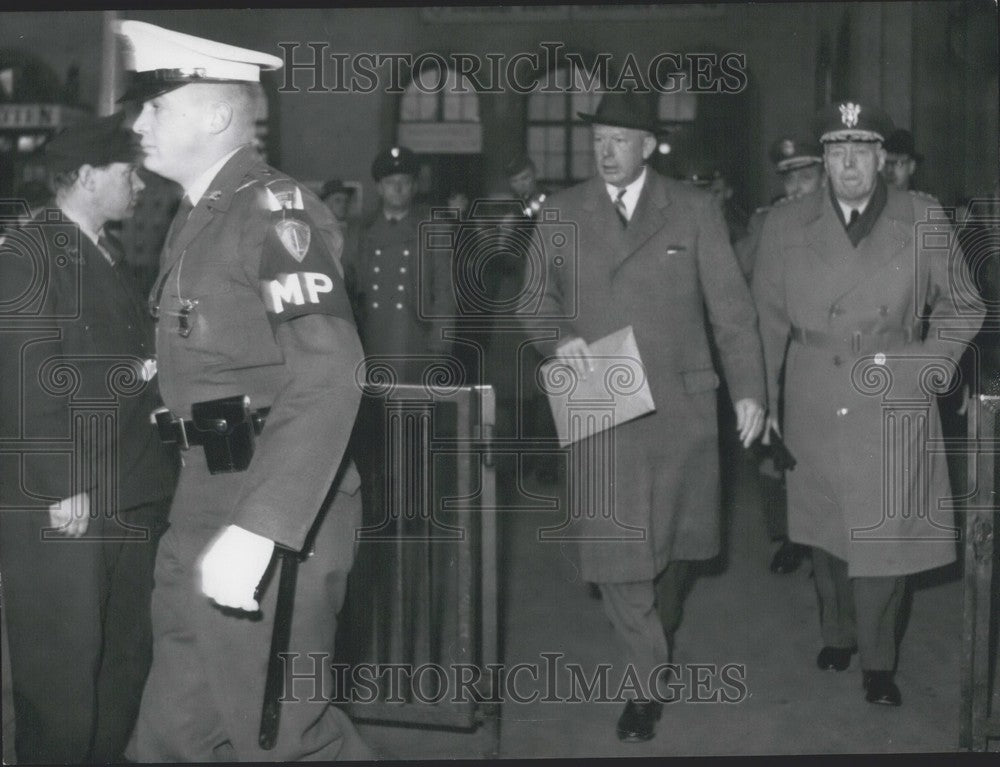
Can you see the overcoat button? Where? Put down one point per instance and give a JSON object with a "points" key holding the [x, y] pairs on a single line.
{"points": [[838, 361], [880, 359], [842, 411]]}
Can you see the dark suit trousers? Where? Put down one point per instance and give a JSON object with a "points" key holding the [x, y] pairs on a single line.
{"points": [[645, 616], [79, 630], [858, 611]]}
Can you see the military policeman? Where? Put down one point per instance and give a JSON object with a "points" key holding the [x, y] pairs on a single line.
{"points": [[843, 276], [402, 304], [258, 356]]}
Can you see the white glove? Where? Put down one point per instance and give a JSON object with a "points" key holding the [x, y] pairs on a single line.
{"points": [[233, 565], [71, 516]]}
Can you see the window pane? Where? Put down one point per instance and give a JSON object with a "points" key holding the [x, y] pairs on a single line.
{"points": [[452, 106], [470, 106], [582, 165], [536, 139], [555, 139], [536, 106]]}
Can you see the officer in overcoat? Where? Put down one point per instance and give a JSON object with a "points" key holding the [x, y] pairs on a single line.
{"points": [[254, 334], [843, 278], [653, 253]]}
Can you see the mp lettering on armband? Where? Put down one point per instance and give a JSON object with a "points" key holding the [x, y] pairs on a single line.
{"points": [[295, 290]]}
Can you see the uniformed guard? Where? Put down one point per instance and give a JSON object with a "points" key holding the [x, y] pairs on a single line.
{"points": [[403, 303], [843, 277], [258, 356]]}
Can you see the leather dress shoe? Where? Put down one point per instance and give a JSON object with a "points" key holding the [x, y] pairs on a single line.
{"points": [[638, 721], [879, 688], [788, 557], [835, 658]]}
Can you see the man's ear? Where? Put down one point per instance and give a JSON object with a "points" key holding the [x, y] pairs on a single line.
{"points": [[85, 177], [880, 153], [648, 145], [220, 116]]}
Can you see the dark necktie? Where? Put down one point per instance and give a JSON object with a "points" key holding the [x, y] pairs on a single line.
{"points": [[854, 217], [111, 247], [620, 208], [180, 218]]}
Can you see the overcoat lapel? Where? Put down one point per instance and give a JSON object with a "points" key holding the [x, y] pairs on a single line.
{"points": [[648, 217]]}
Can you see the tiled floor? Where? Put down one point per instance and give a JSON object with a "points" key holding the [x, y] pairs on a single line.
{"points": [[737, 613]]}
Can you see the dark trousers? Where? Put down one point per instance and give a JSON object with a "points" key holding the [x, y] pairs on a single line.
{"points": [[773, 500], [202, 700], [77, 613], [858, 611], [645, 616]]}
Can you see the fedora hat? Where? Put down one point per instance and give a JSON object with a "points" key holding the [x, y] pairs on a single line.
{"points": [[623, 109]]}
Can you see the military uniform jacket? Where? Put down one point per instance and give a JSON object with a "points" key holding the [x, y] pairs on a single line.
{"points": [[220, 259], [401, 301], [91, 334], [659, 275], [860, 412]]}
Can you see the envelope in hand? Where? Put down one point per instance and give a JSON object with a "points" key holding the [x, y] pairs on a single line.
{"points": [[615, 392]]}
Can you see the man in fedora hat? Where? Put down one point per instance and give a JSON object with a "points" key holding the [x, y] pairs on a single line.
{"points": [[254, 334], [901, 159], [843, 277], [652, 253], [77, 576]]}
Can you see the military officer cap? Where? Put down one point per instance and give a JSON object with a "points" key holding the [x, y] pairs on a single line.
{"points": [[901, 142], [397, 159], [518, 164], [793, 152], [852, 121], [623, 109], [162, 60], [334, 186], [96, 141]]}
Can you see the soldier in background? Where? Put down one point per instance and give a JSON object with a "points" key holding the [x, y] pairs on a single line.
{"points": [[404, 306], [337, 197], [799, 163], [901, 160], [522, 394]]}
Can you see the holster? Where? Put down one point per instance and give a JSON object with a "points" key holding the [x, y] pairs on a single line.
{"points": [[224, 427]]}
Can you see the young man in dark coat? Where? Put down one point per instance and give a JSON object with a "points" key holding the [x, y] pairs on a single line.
{"points": [[77, 577]]}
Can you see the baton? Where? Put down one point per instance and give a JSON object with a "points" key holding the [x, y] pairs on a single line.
{"points": [[280, 635]]}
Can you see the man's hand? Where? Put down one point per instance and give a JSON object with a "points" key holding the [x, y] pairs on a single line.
{"points": [[749, 420], [232, 567], [71, 516], [771, 424], [576, 354]]}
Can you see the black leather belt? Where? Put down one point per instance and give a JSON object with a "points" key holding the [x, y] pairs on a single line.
{"points": [[857, 341], [187, 433]]}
